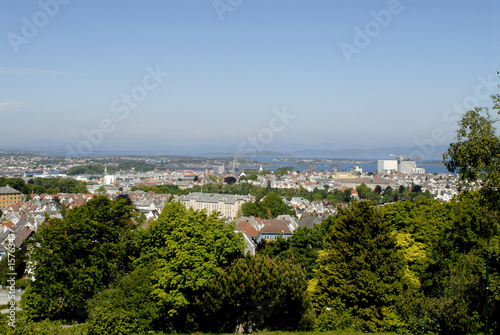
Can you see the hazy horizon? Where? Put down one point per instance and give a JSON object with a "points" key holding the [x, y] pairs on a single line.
{"points": [[98, 76]]}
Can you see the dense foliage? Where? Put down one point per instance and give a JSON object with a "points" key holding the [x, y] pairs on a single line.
{"points": [[126, 307], [279, 302], [360, 267], [304, 245], [45, 185], [415, 267], [190, 249], [138, 166], [77, 257], [269, 207]]}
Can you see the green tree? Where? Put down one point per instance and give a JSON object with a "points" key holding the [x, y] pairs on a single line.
{"points": [[284, 170], [101, 190], [80, 188], [253, 209], [456, 274], [336, 197], [274, 205], [76, 257], [4, 269], [304, 244], [363, 191], [16, 183], [475, 156], [190, 249], [360, 268], [126, 306], [347, 195], [257, 292]]}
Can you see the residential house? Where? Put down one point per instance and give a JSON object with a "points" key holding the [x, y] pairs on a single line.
{"points": [[275, 228]]}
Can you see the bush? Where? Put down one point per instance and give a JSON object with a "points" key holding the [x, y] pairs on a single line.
{"points": [[257, 292], [124, 308], [334, 319], [23, 326], [23, 283]]}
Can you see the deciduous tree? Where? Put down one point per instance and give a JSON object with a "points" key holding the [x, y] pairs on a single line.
{"points": [[190, 250], [76, 257]]}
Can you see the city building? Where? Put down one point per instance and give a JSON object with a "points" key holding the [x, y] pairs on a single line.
{"points": [[401, 165], [406, 166], [219, 169], [419, 171], [387, 166], [9, 196], [356, 169], [227, 205]]}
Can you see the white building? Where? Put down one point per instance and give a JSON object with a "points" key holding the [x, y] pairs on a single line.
{"points": [[219, 169], [356, 169], [406, 166], [387, 166], [401, 165], [108, 179], [226, 204], [419, 170]]}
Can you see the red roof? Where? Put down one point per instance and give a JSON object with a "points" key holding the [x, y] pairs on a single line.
{"points": [[248, 229], [7, 224]]}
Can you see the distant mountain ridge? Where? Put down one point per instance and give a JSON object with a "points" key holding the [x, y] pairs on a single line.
{"points": [[374, 153], [353, 152]]}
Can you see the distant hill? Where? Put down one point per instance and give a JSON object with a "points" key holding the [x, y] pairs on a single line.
{"points": [[249, 154], [265, 154], [354, 151], [374, 153]]}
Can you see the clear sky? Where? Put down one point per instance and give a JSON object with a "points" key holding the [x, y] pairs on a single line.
{"points": [[374, 73]]}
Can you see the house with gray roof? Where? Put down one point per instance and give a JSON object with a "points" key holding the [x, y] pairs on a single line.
{"points": [[275, 228]]}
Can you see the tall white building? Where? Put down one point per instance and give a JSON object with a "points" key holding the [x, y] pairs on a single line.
{"points": [[219, 169], [406, 166], [401, 165], [387, 166]]}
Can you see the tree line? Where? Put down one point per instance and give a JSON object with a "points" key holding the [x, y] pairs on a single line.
{"points": [[98, 169], [408, 267], [45, 185]]}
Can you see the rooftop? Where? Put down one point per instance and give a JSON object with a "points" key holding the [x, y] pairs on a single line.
{"points": [[9, 190], [213, 197]]}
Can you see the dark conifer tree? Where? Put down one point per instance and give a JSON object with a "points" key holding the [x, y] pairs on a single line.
{"points": [[360, 267]]}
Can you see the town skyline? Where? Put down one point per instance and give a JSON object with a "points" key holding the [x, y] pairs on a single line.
{"points": [[245, 76]]}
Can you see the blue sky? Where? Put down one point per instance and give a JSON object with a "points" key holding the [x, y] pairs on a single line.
{"points": [[227, 76]]}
